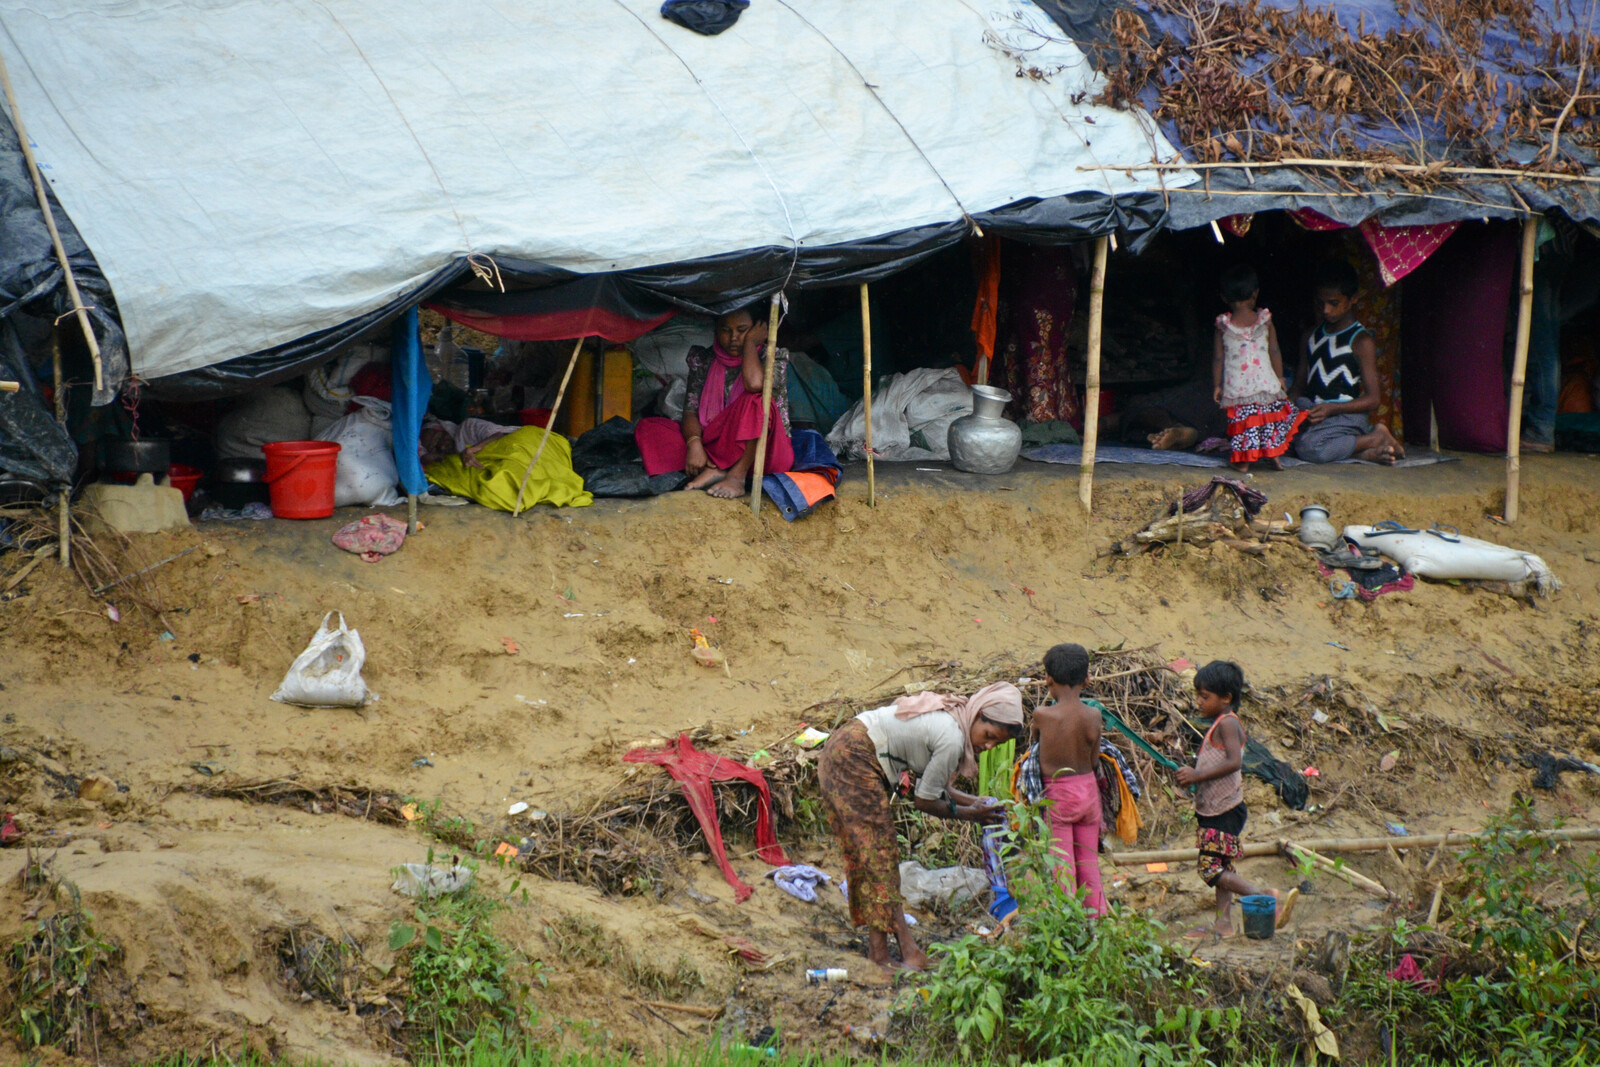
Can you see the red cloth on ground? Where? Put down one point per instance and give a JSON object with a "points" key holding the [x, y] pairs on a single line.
{"points": [[695, 771], [663, 449]]}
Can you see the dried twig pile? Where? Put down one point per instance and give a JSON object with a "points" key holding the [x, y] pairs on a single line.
{"points": [[1247, 81]]}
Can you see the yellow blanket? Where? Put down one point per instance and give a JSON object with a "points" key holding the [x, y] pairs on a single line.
{"points": [[504, 460]]}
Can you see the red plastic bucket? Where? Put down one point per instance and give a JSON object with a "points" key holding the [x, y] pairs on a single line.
{"points": [[184, 479], [300, 476]]}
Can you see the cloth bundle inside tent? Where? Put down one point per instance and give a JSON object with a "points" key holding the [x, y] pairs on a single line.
{"points": [[910, 418]]}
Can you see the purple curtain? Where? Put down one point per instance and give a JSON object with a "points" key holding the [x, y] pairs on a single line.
{"points": [[1452, 352]]}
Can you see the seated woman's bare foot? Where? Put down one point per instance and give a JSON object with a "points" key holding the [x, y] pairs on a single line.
{"points": [[731, 487], [704, 479], [1174, 439], [1396, 449], [1377, 454]]}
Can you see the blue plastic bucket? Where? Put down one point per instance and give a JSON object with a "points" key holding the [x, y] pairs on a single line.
{"points": [[1260, 916]]}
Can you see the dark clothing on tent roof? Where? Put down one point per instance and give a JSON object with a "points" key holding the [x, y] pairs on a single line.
{"points": [[707, 17]]}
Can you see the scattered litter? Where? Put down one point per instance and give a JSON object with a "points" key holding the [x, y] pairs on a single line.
{"points": [[705, 655], [537, 816], [210, 770], [96, 787], [1398, 829], [539, 703], [818, 975], [1311, 772], [328, 673], [372, 537], [112, 613], [1156, 868], [254, 510], [811, 737], [410, 813], [511, 646], [1342, 589], [1322, 1040], [799, 880], [422, 761], [931, 470], [1336, 644], [1389, 760], [506, 851], [1319, 717], [911, 920], [424, 881], [574, 615], [167, 635], [719, 581], [518, 808]]}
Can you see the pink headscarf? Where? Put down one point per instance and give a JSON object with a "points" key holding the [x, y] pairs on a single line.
{"points": [[716, 395], [1000, 702]]}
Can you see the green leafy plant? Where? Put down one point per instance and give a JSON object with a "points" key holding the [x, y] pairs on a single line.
{"points": [[53, 971], [1107, 988]]}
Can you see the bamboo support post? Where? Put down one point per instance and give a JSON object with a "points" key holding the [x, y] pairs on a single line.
{"points": [[10, 387], [1433, 908], [767, 371], [411, 513], [1091, 391], [65, 531], [50, 224], [1351, 844], [1519, 367], [866, 391], [1360, 881], [550, 425]]}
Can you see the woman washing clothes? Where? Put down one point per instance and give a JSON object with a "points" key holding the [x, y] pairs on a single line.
{"points": [[715, 442], [918, 746]]}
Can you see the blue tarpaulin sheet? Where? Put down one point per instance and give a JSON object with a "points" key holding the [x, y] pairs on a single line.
{"points": [[412, 388]]}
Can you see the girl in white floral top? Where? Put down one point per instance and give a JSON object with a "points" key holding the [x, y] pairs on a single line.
{"points": [[1247, 376]]}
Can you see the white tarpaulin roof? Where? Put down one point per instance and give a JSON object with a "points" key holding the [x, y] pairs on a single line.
{"points": [[248, 172]]}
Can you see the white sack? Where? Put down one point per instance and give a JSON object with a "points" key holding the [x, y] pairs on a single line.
{"points": [[1429, 556], [927, 399], [265, 416], [328, 673], [947, 885], [367, 472], [664, 351], [424, 881]]}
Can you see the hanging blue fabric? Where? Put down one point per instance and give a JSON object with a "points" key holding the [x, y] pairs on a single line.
{"points": [[412, 388]]}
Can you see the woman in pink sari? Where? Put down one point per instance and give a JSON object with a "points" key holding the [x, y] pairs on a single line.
{"points": [[715, 443]]}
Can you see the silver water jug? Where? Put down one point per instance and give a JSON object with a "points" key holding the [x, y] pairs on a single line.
{"points": [[985, 442], [1316, 530]]}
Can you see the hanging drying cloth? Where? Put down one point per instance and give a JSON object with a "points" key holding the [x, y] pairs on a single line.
{"points": [[695, 771]]}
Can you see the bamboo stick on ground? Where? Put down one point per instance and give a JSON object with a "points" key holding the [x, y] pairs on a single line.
{"points": [[866, 391], [760, 468], [1350, 844], [1433, 908], [1360, 881], [549, 425], [1519, 368], [1091, 396]]}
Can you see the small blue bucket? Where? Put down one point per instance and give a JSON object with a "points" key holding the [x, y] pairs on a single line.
{"points": [[1260, 916]]}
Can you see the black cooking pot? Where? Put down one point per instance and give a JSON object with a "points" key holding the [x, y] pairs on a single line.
{"points": [[233, 483], [149, 456]]}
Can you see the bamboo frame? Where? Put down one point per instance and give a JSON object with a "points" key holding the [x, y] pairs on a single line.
{"points": [[1519, 368], [1091, 389], [866, 391], [1355, 164], [760, 469], [1299, 853], [550, 425], [55, 235], [1351, 844]]}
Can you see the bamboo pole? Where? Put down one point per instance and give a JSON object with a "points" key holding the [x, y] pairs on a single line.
{"points": [[766, 404], [1360, 881], [1091, 388], [10, 387], [411, 513], [866, 391], [549, 425], [1356, 164], [50, 224], [1519, 367], [1351, 844], [64, 534]]}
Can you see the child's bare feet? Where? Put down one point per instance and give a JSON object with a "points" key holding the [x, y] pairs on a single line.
{"points": [[1275, 463], [1242, 468]]}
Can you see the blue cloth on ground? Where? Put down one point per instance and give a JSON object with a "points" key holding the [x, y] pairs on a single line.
{"points": [[816, 472], [798, 880]]}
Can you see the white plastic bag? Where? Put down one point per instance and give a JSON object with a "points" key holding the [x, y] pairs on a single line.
{"points": [[367, 472], [1428, 555], [328, 673], [424, 881], [947, 885]]}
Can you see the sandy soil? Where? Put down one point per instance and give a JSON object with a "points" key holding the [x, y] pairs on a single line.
{"points": [[520, 659]]}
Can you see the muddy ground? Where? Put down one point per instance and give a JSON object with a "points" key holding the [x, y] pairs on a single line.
{"points": [[517, 659]]}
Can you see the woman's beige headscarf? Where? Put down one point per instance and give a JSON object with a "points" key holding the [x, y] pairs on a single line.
{"points": [[1000, 702]]}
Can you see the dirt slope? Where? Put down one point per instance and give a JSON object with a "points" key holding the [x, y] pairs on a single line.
{"points": [[520, 658]]}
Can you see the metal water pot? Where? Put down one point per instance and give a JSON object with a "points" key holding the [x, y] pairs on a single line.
{"points": [[985, 442], [1315, 529]]}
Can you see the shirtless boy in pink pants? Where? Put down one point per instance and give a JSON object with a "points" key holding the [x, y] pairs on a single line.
{"points": [[1069, 744]]}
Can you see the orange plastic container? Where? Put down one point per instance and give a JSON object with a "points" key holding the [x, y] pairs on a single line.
{"points": [[300, 477], [610, 393]]}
